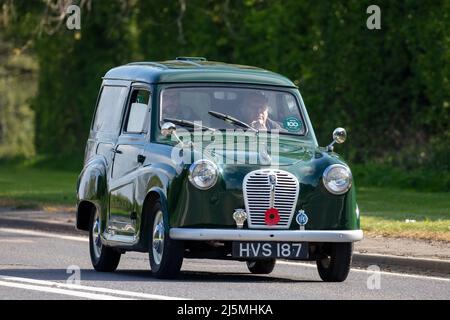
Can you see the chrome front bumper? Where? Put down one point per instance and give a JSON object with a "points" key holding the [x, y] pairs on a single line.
{"points": [[266, 235]]}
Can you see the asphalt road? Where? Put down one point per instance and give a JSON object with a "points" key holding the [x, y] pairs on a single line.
{"points": [[34, 265]]}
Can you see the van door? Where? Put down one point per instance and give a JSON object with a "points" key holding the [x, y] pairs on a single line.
{"points": [[128, 157]]}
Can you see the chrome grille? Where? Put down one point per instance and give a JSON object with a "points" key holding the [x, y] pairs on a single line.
{"points": [[258, 197]]}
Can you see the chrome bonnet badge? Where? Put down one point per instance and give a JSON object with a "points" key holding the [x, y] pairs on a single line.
{"points": [[272, 179]]}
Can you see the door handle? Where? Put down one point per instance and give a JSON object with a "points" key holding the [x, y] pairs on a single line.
{"points": [[140, 158], [114, 150]]}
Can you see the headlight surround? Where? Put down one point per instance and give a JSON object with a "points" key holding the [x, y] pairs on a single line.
{"points": [[203, 174], [337, 179]]}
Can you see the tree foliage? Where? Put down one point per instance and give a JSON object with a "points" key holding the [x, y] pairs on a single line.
{"points": [[16, 117], [390, 87]]}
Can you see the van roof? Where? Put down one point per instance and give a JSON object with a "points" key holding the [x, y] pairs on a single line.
{"points": [[195, 69]]}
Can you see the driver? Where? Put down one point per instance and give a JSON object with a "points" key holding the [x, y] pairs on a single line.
{"points": [[256, 111]]}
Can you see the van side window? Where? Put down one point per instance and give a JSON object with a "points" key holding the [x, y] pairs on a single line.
{"points": [[138, 112], [109, 110]]}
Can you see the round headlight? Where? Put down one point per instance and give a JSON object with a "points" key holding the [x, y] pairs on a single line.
{"points": [[203, 174], [337, 178]]}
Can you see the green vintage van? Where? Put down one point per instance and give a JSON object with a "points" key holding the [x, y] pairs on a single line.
{"points": [[190, 158]]}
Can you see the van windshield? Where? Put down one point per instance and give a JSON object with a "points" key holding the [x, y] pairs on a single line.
{"points": [[261, 109]]}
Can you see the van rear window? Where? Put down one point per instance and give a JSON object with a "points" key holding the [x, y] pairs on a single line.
{"points": [[109, 110]]}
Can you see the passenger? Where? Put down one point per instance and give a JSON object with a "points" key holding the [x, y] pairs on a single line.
{"points": [[171, 107]]}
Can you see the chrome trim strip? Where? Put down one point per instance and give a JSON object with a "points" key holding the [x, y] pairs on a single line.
{"points": [[266, 235]]}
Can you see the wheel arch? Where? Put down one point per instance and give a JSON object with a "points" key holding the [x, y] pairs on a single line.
{"points": [[91, 192], [154, 194], [84, 211], [92, 181]]}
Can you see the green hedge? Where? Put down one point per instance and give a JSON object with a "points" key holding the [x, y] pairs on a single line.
{"points": [[390, 88]]}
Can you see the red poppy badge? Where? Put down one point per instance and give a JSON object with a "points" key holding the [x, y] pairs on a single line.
{"points": [[272, 217]]}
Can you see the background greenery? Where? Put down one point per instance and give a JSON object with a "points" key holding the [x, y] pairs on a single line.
{"points": [[389, 88]]}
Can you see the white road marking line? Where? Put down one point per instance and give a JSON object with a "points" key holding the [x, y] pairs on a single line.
{"points": [[90, 288], [16, 241], [81, 239], [43, 234], [73, 293], [73, 286], [415, 276]]}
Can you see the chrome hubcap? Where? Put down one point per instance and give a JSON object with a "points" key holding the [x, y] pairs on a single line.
{"points": [[158, 237], [97, 245]]}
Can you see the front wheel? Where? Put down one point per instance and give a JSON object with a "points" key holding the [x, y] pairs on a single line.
{"points": [[261, 266], [165, 254], [103, 258], [335, 265]]}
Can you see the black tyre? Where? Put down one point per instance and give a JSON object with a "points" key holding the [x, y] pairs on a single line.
{"points": [[336, 265], [261, 266], [165, 254], [103, 258]]}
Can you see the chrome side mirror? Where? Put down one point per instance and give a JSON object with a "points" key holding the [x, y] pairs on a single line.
{"points": [[339, 136], [168, 129]]}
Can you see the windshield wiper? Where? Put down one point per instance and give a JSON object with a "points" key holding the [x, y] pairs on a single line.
{"points": [[232, 120], [187, 123]]}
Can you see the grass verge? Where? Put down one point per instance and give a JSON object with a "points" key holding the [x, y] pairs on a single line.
{"points": [[33, 187], [404, 213], [384, 211]]}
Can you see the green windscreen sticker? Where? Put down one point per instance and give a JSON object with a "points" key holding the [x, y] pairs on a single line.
{"points": [[292, 124]]}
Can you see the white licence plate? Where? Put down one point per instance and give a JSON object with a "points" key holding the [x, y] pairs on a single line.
{"points": [[282, 250]]}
